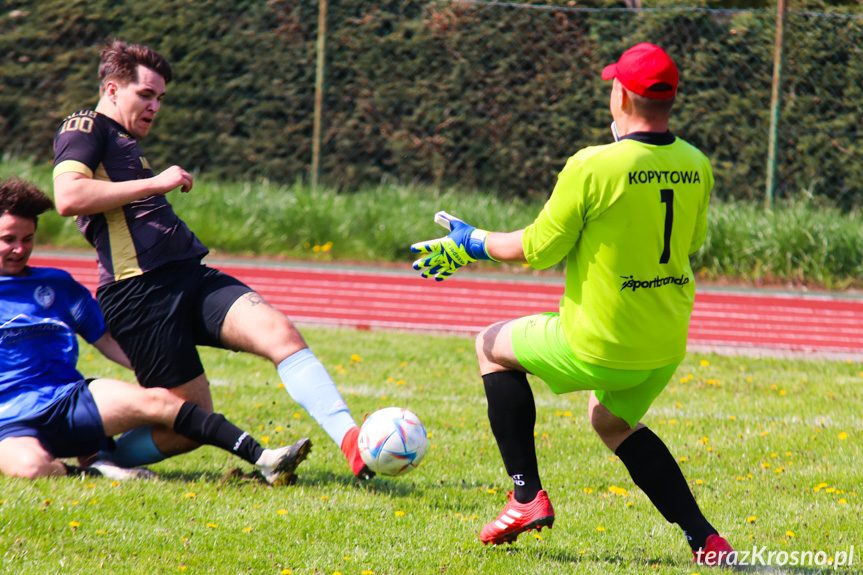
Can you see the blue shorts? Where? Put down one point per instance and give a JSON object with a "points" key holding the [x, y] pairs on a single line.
{"points": [[70, 427]]}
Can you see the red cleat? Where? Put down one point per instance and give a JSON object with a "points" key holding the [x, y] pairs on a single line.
{"points": [[352, 454], [516, 518], [717, 552]]}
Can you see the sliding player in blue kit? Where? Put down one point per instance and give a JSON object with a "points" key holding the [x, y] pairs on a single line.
{"points": [[47, 409]]}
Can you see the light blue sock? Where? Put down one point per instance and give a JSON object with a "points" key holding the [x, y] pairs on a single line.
{"points": [[134, 449], [309, 384]]}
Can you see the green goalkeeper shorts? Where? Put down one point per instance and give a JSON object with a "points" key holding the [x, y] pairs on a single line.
{"points": [[539, 345]]}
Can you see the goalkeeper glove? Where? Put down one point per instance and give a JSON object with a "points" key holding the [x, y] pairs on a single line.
{"points": [[442, 257]]}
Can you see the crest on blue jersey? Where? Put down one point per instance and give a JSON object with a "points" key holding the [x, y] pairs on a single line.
{"points": [[44, 296]]}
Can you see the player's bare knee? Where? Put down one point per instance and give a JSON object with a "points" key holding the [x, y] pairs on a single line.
{"points": [[479, 344], [283, 338], [29, 466], [160, 403], [484, 344], [604, 423]]}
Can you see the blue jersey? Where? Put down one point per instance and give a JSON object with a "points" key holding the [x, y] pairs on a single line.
{"points": [[40, 315]]}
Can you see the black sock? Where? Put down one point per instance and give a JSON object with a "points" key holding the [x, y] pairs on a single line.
{"points": [[75, 470], [512, 415], [199, 425], [655, 471]]}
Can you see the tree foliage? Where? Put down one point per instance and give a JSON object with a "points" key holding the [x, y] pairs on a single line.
{"points": [[488, 96]]}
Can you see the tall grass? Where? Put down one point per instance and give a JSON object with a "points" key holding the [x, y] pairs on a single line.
{"points": [[802, 240]]}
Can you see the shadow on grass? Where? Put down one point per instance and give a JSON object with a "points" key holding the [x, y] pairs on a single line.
{"points": [[549, 553]]}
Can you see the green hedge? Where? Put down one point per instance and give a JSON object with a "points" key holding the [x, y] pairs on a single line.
{"points": [[479, 96]]}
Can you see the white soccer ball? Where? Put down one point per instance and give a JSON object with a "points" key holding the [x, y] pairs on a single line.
{"points": [[392, 441]]}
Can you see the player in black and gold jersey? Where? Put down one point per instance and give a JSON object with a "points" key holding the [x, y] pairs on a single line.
{"points": [[159, 300]]}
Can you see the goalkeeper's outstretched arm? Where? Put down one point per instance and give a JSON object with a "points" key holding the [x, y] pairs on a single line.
{"points": [[442, 257], [506, 247]]}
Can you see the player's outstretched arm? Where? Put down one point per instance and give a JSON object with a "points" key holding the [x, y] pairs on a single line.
{"points": [[441, 257], [77, 194], [109, 347], [506, 247]]}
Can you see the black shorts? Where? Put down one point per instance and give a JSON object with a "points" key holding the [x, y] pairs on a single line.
{"points": [[70, 427], [159, 318]]}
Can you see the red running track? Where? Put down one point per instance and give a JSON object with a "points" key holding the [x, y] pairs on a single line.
{"points": [[731, 322]]}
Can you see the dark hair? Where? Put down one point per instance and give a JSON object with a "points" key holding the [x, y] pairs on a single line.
{"points": [[119, 61], [23, 199]]}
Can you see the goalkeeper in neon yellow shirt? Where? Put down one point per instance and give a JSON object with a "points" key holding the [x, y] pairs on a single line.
{"points": [[625, 216]]}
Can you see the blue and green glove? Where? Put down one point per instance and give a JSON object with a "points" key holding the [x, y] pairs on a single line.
{"points": [[442, 257]]}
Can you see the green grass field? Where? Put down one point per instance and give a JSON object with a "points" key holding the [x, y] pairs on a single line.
{"points": [[771, 448]]}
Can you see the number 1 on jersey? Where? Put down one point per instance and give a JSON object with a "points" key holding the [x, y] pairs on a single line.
{"points": [[667, 198]]}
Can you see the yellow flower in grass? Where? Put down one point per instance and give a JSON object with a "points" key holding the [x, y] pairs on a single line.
{"points": [[356, 358], [750, 519], [285, 572], [190, 495], [400, 513], [212, 525], [704, 363], [600, 528], [789, 533], [74, 524], [843, 436]]}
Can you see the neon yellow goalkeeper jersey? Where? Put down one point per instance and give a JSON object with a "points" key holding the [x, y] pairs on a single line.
{"points": [[626, 216]]}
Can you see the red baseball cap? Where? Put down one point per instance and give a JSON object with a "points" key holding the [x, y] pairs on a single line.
{"points": [[646, 70]]}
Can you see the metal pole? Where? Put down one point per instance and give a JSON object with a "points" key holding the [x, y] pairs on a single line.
{"points": [[774, 104], [319, 91]]}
